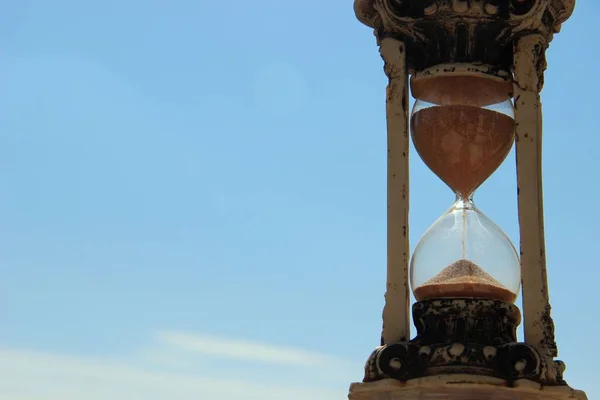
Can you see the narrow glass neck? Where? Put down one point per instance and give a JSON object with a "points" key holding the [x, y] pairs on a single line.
{"points": [[461, 203]]}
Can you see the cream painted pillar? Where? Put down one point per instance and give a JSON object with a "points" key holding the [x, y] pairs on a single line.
{"points": [[537, 322], [396, 319]]}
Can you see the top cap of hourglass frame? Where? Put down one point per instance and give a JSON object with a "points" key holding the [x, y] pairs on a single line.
{"points": [[467, 84]]}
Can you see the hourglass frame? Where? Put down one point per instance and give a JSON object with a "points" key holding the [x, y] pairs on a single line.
{"points": [[485, 37]]}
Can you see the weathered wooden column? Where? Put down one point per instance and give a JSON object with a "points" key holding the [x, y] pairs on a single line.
{"points": [[396, 321], [529, 65]]}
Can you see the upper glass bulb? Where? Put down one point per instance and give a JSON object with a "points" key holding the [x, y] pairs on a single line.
{"points": [[462, 127]]}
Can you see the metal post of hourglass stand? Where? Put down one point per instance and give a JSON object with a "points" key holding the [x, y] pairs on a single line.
{"points": [[466, 348], [529, 65], [397, 299]]}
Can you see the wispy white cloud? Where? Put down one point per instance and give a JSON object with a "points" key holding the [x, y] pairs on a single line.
{"points": [[247, 351], [33, 375]]}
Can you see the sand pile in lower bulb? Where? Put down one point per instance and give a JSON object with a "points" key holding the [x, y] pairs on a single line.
{"points": [[464, 278]]}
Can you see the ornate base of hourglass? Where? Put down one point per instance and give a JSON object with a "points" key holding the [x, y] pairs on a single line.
{"points": [[465, 348], [462, 336]]}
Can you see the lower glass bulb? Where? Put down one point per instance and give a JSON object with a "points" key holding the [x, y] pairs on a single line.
{"points": [[464, 254]]}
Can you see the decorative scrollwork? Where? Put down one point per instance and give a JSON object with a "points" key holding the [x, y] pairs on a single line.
{"points": [[494, 8], [522, 7], [461, 336], [399, 8], [473, 31], [560, 368], [400, 361], [430, 8], [519, 360], [404, 361], [486, 322], [366, 13]]}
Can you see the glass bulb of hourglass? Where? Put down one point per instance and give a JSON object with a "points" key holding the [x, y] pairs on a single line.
{"points": [[462, 135], [463, 128], [464, 254]]}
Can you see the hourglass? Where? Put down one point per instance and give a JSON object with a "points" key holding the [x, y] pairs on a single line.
{"points": [[462, 126], [476, 69]]}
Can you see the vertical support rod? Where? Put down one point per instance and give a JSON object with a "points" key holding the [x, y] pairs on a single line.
{"points": [[529, 65], [396, 311]]}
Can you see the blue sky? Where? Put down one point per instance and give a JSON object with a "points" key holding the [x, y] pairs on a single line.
{"points": [[192, 198]]}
